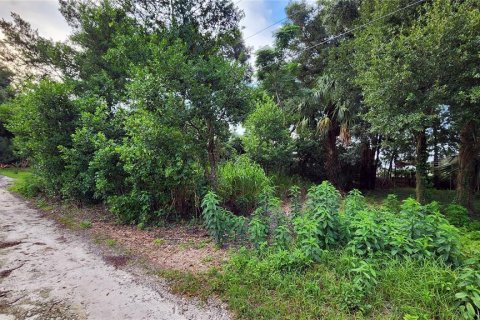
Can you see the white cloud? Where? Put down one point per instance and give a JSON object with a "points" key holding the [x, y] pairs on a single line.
{"points": [[258, 15], [41, 14]]}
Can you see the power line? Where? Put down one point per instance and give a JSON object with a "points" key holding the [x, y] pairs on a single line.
{"points": [[260, 31], [363, 25]]}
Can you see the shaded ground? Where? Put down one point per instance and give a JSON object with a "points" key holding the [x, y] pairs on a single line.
{"points": [[48, 273], [180, 248]]}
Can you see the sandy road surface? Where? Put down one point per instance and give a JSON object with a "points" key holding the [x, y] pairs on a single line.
{"points": [[47, 273]]}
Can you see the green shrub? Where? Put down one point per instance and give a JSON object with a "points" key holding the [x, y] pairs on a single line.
{"points": [[354, 202], [362, 282], [456, 214], [240, 184], [367, 236], [44, 117], [132, 208], [215, 218], [165, 177], [468, 290], [258, 232], [429, 233], [295, 200], [391, 203], [221, 224], [282, 237], [306, 228], [322, 204], [267, 138], [323, 196], [93, 170]]}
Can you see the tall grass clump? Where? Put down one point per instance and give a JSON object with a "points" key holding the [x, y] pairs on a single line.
{"points": [[240, 183]]}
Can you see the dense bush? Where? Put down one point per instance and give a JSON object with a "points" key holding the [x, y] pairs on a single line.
{"points": [[240, 183], [160, 175], [322, 205], [143, 126], [92, 168], [415, 231], [44, 118], [456, 214]]}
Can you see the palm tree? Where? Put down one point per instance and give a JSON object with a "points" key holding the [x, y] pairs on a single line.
{"points": [[326, 108]]}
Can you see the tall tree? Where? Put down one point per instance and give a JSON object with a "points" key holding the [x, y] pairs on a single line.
{"points": [[457, 28], [315, 82], [398, 73]]}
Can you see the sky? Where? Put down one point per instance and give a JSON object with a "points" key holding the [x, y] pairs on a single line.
{"points": [[44, 16]]}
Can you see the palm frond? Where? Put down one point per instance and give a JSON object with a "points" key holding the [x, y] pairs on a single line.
{"points": [[324, 124]]}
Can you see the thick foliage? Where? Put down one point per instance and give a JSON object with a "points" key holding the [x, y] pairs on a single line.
{"points": [[221, 224], [468, 290], [92, 167], [456, 215], [363, 280], [160, 174], [240, 183], [416, 231], [267, 139], [368, 237], [44, 117], [322, 205]]}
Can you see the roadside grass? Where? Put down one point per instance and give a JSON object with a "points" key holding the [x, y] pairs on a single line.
{"points": [[69, 222], [25, 182], [15, 173], [85, 224], [253, 289]]}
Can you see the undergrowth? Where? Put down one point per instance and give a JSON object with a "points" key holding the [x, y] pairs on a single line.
{"points": [[399, 260]]}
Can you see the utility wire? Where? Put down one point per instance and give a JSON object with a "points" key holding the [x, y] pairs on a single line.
{"points": [[362, 26], [260, 31]]}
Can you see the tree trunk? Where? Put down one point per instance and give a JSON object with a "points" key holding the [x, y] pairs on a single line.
{"points": [[332, 165], [390, 165], [421, 166], [368, 170], [375, 162], [365, 153], [436, 177], [467, 175], [212, 155]]}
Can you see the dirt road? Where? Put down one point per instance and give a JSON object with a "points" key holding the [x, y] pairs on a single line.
{"points": [[48, 273]]}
